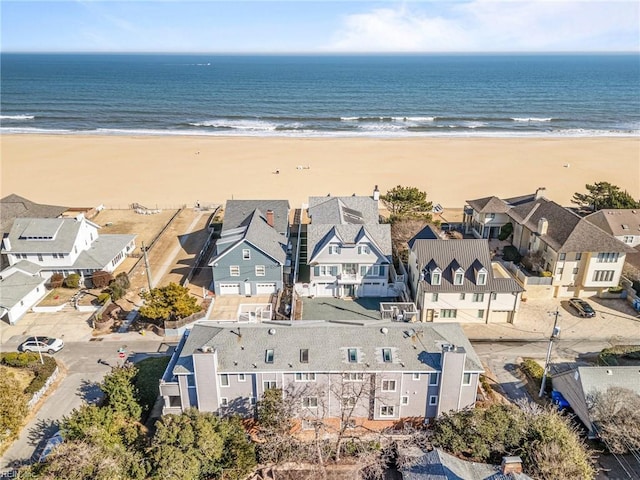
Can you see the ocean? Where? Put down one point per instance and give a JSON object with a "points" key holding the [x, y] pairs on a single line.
{"points": [[317, 96]]}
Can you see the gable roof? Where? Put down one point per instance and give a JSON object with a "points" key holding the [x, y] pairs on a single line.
{"points": [[61, 231], [617, 222], [237, 213], [343, 210], [470, 254], [15, 286], [494, 204], [567, 231], [427, 233], [319, 235], [14, 206], [242, 348]]}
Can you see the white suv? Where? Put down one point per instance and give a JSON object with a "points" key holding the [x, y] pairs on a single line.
{"points": [[41, 344]]}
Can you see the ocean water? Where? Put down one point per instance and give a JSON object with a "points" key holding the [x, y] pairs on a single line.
{"points": [[378, 96]]}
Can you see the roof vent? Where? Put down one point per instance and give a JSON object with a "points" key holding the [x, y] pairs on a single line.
{"points": [[384, 330], [272, 331], [411, 332], [609, 372]]}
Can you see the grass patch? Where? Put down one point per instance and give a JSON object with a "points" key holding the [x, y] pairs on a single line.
{"points": [[22, 375], [623, 355], [58, 296], [147, 381]]}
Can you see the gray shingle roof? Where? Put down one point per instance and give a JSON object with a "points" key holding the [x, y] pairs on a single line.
{"points": [[242, 348], [27, 267], [494, 204], [14, 206], [14, 287], [318, 235], [471, 255], [66, 231], [617, 222], [427, 233], [237, 213], [567, 231], [102, 251], [331, 210]]}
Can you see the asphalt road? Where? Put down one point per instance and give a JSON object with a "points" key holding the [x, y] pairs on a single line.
{"points": [[83, 372]]}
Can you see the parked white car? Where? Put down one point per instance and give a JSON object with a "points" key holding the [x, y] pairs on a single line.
{"points": [[41, 344]]}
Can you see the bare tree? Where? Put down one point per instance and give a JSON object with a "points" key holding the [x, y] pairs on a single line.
{"points": [[616, 416]]}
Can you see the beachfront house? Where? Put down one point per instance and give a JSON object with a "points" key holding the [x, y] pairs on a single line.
{"points": [[568, 254], [348, 250], [64, 245], [252, 252], [369, 376], [21, 287], [455, 280]]}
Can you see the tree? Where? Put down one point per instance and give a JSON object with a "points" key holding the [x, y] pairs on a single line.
{"points": [[403, 230], [604, 195], [120, 393], [101, 279], [56, 280], [616, 416], [13, 405], [72, 281], [407, 202], [171, 302]]}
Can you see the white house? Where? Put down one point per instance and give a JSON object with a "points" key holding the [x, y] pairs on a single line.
{"points": [[348, 251], [455, 280], [65, 245], [20, 289]]}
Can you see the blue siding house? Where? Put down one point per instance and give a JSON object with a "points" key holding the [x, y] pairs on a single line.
{"points": [[251, 253]]}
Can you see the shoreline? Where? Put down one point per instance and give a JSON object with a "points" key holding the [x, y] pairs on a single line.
{"points": [[184, 169]]}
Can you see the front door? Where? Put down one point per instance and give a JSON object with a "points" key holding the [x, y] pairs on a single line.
{"points": [[349, 290], [247, 288]]}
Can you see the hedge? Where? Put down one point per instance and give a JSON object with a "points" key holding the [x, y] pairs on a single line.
{"points": [[535, 372], [19, 359], [31, 360]]}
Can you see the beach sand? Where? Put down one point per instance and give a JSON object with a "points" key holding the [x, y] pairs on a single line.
{"points": [[116, 171]]}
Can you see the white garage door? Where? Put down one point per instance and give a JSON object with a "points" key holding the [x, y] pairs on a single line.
{"points": [[325, 289], [265, 288], [229, 289], [371, 289]]}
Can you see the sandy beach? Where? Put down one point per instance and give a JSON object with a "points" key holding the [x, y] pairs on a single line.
{"points": [[116, 171]]}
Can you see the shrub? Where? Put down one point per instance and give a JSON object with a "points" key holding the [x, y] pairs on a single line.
{"points": [[72, 281], [535, 372], [116, 291], [42, 373], [19, 359], [511, 254], [101, 279], [122, 279], [103, 298], [617, 289], [545, 273], [56, 280], [505, 231]]}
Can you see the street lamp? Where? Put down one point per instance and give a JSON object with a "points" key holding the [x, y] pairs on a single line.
{"points": [[554, 334]]}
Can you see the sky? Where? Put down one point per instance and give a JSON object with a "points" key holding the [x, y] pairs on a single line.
{"points": [[336, 26]]}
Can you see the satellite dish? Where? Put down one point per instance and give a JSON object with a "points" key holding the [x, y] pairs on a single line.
{"points": [[384, 330], [272, 331]]}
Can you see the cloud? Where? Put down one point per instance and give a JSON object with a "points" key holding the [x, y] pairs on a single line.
{"points": [[484, 25]]}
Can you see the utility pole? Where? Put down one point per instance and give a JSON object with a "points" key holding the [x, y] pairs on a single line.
{"points": [[554, 335], [146, 265]]}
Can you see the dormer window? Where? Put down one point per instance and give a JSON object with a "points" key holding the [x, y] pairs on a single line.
{"points": [[436, 277], [481, 277], [363, 249], [458, 276], [333, 250]]}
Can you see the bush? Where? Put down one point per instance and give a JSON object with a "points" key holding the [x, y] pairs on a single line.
{"points": [[122, 279], [545, 273], [101, 279], [617, 289], [103, 298], [150, 372], [19, 359], [72, 281], [535, 372], [505, 231], [511, 254], [56, 280], [42, 373], [116, 291]]}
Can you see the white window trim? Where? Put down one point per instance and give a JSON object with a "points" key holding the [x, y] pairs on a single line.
{"points": [[309, 399], [242, 377], [234, 268], [388, 415], [391, 386], [246, 254], [415, 376], [437, 377], [224, 401], [222, 384], [404, 400], [464, 374], [261, 271], [433, 400]]}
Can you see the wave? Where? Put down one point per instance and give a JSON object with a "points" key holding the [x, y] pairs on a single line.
{"points": [[387, 119], [237, 124], [531, 119], [17, 117]]}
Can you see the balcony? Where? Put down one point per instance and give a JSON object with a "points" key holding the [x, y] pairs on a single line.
{"points": [[525, 277]]}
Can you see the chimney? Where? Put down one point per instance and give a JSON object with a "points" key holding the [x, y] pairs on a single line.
{"points": [[6, 243], [540, 192], [270, 218], [376, 193], [511, 465], [543, 226]]}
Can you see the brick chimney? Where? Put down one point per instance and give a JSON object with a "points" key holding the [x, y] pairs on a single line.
{"points": [[511, 465], [270, 219]]}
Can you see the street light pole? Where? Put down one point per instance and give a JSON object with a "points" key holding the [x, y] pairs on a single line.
{"points": [[146, 264], [554, 335], [39, 351]]}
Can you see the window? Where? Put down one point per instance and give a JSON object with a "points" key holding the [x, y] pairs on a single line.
{"points": [[459, 276], [305, 377], [260, 271], [416, 376], [268, 385], [433, 399], [462, 295], [363, 249], [388, 385], [224, 380], [575, 270], [578, 256], [304, 355], [386, 355], [560, 270], [333, 250], [352, 355], [39, 257], [310, 402], [480, 313], [246, 254], [268, 356], [242, 377], [603, 275], [224, 402], [466, 379], [54, 255], [628, 239], [349, 402], [482, 278], [325, 270], [234, 270], [478, 297], [448, 313], [436, 278], [353, 377], [610, 257], [562, 256], [433, 378], [387, 410], [434, 297], [494, 295], [404, 400]]}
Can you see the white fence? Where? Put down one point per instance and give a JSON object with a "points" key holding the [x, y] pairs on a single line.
{"points": [[38, 395]]}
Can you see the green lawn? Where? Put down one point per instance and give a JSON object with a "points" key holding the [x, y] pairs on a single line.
{"points": [[147, 380]]}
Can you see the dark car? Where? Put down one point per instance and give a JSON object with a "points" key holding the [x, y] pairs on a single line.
{"points": [[582, 307], [41, 344]]}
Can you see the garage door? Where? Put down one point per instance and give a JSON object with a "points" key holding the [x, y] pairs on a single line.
{"points": [[499, 317], [229, 289], [325, 289], [265, 288], [371, 289]]}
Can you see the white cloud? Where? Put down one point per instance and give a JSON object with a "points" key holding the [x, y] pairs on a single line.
{"points": [[489, 25]]}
